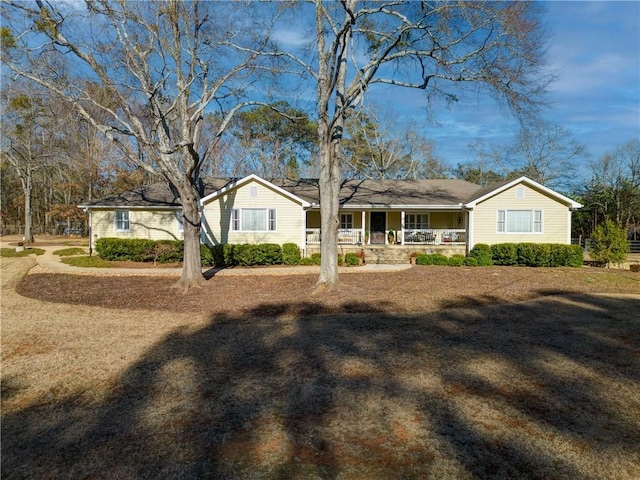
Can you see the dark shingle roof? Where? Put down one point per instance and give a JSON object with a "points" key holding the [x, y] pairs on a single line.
{"points": [[352, 193]]}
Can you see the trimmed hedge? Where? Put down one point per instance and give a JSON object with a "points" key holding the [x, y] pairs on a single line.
{"points": [[456, 261], [172, 251], [435, 259], [290, 254], [247, 255], [537, 254], [351, 259], [504, 254], [483, 254]]}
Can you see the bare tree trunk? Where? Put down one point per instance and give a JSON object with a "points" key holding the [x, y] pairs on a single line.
{"points": [[28, 208], [329, 206], [192, 265]]}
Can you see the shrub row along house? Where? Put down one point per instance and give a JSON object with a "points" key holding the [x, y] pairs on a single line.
{"points": [[388, 218]]}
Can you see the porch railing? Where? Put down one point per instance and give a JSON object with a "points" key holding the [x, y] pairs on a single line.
{"points": [[349, 236], [431, 236], [435, 236]]}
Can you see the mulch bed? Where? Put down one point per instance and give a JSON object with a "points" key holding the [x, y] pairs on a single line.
{"points": [[418, 289]]}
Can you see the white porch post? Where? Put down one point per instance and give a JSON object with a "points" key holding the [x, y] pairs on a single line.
{"points": [[470, 239], [364, 216], [402, 227], [304, 233]]}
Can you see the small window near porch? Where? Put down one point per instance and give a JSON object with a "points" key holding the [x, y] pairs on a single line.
{"points": [[416, 221], [346, 220]]}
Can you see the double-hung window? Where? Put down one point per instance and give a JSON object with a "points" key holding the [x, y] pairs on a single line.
{"points": [[346, 221], [253, 220], [519, 221], [122, 220], [416, 221]]}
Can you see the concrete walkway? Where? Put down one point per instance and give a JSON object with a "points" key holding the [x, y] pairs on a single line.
{"points": [[50, 263]]}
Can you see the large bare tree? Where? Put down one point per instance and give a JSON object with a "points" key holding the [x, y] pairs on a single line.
{"points": [[438, 47], [28, 144], [157, 66]]}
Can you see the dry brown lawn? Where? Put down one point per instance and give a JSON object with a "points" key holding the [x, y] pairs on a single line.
{"points": [[440, 373]]}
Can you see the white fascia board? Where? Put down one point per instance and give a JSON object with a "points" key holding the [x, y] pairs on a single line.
{"points": [[128, 207], [401, 207], [527, 181], [247, 179]]}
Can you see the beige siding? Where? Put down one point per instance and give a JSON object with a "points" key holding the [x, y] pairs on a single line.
{"points": [[150, 224], [554, 217], [217, 216]]}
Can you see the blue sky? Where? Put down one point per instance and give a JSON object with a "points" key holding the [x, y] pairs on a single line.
{"points": [[595, 49]]}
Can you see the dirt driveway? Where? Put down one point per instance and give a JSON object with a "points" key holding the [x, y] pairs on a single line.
{"points": [[455, 388]]}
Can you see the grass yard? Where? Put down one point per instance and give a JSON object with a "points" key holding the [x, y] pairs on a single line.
{"points": [[433, 372]]}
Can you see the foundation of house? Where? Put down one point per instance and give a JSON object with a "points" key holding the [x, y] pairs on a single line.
{"points": [[393, 254]]}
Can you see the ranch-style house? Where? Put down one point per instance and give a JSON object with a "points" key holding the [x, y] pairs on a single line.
{"points": [[388, 218]]}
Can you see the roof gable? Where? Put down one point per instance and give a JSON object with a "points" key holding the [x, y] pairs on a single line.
{"points": [[491, 191], [248, 179]]}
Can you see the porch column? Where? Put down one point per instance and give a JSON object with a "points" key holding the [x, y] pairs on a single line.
{"points": [[402, 227], [364, 216], [304, 233]]}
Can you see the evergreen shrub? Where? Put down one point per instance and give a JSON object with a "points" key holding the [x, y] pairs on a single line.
{"points": [[290, 254], [482, 253], [504, 253]]}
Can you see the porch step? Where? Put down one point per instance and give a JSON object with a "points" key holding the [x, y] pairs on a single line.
{"points": [[399, 255], [386, 256]]}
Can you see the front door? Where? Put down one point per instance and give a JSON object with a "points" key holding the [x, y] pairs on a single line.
{"points": [[378, 227]]}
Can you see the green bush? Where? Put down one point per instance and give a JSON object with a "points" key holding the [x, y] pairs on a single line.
{"points": [[423, 259], [169, 251], [504, 253], [456, 261], [243, 255], [565, 255], [267, 254], [117, 249], [228, 254], [534, 254], [290, 254], [207, 257], [307, 261], [340, 260], [435, 259], [609, 243], [470, 262], [482, 253], [351, 259], [315, 258]]}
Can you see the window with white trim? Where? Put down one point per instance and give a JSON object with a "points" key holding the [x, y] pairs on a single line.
{"points": [[253, 220], [416, 221], [122, 221], [520, 221], [346, 221], [520, 193]]}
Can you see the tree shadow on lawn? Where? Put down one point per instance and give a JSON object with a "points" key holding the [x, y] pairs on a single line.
{"points": [[543, 389]]}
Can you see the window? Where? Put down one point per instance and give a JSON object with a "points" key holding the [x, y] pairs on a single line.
{"points": [[346, 220], [253, 191], [122, 220], [253, 219], [520, 193], [520, 221], [179, 220], [416, 221]]}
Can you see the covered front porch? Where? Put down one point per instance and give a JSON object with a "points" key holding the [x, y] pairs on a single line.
{"points": [[393, 227]]}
